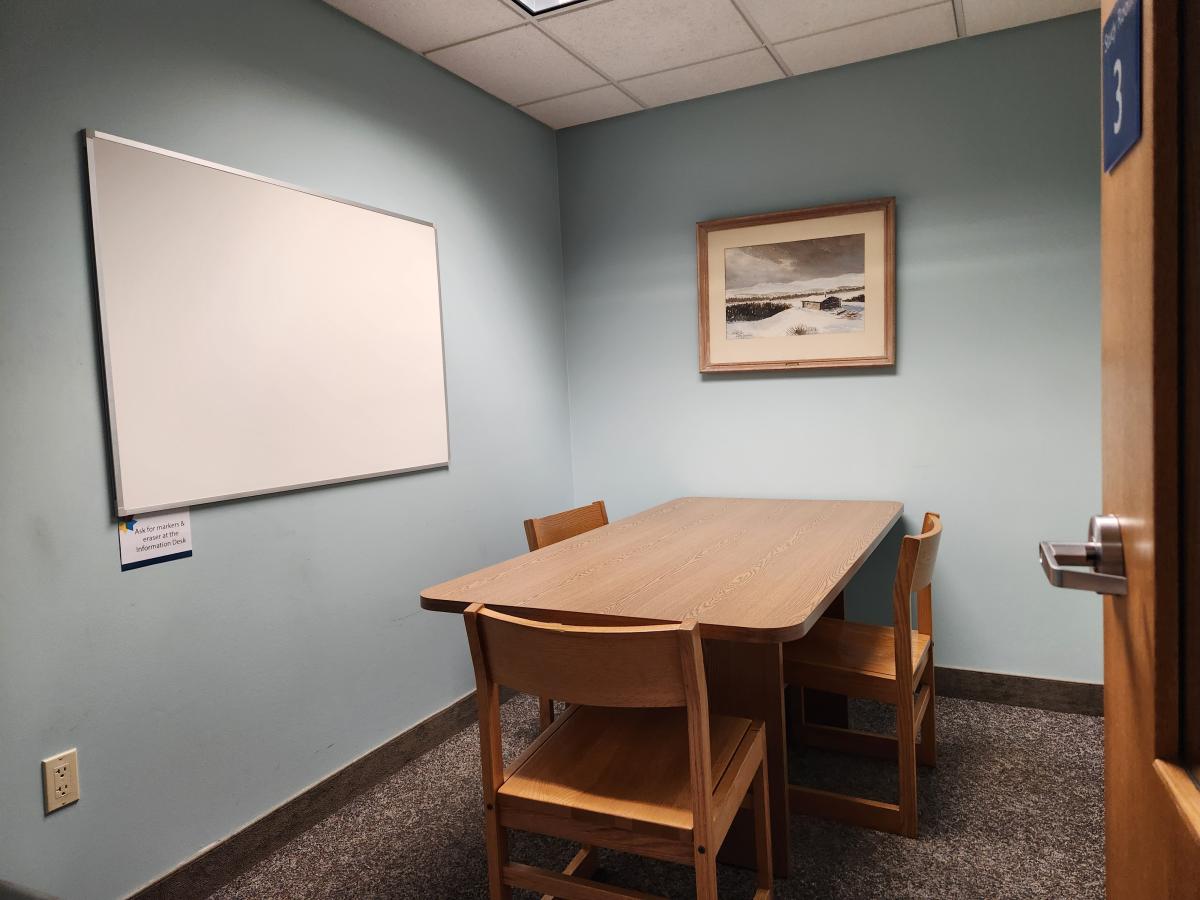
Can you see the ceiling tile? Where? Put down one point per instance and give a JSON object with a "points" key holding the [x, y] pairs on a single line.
{"points": [[879, 37], [628, 38], [781, 20], [586, 106], [421, 25], [519, 66], [991, 15], [712, 77]]}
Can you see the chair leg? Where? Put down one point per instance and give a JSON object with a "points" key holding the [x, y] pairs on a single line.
{"points": [[545, 712], [497, 856], [906, 747], [927, 749], [762, 834], [794, 695], [706, 873]]}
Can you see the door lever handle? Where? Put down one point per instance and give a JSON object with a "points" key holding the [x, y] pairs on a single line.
{"points": [[1103, 555]]}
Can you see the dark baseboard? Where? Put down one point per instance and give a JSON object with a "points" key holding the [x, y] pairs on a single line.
{"points": [[216, 865], [1021, 690], [10, 891]]}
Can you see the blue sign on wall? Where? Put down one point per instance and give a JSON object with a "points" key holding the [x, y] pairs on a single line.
{"points": [[1122, 80]]}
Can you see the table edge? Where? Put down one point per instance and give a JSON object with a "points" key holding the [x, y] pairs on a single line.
{"points": [[779, 635]]}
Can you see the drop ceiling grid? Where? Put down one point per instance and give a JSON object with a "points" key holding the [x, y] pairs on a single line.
{"points": [[703, 61], [761, 35], [960, 20], [932, 24], [538, 21], [603, 58]]}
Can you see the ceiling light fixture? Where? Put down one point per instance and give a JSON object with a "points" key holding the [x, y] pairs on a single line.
{"points": [[537, 7]]}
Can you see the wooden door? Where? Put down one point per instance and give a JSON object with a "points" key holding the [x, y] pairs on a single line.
{"points": [[1148, 257]]}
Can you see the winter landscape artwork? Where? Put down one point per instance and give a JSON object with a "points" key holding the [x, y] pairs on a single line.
{"points": [[803, 288], [797, 288]]}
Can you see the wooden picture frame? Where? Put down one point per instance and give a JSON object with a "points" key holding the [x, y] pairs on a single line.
{"points": [[776, 283]]}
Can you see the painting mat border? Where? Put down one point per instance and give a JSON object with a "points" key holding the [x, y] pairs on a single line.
{"points": [[885, 204]]}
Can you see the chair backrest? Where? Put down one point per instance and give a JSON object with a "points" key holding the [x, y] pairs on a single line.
{"points": [[926, 553], [558, 527], [643, 666], [918, 555]]}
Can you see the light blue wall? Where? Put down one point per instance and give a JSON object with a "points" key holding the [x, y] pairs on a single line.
{"points": [[203, 692], [992, 413]]}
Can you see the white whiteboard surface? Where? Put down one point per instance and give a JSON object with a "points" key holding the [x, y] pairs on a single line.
{"points": [[258, 337]]}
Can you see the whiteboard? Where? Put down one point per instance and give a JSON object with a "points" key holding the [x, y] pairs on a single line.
{"points": [[258, 337]]}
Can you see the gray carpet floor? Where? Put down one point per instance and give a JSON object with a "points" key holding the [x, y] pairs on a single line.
{"points": [[1014, 809]]}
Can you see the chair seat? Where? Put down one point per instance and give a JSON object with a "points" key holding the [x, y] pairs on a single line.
{"points": [[852, 647], [627, 764]]}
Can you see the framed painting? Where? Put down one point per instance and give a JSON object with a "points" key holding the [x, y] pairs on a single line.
{"points": [[805, 288]]}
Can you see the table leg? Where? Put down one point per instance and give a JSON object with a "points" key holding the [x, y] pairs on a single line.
{"points": [[822, 708], [746, 679]]}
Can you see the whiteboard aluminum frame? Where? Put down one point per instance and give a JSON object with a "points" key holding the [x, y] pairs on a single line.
{"points": [[91, 135]]}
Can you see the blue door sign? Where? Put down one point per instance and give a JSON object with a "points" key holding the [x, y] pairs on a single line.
{"points": [[1122, 60]]}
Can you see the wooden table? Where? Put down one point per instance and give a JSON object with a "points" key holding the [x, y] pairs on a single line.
{"points": [[753, 573]]}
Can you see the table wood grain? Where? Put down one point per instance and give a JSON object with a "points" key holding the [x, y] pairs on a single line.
{"points": [[746, 570]]}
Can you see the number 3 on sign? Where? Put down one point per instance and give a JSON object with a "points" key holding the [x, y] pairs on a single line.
{"points": [[1122, 80], [1117, 97]]}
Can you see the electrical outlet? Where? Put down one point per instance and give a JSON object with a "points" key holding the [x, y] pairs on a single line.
{"points": [[60, 779]]}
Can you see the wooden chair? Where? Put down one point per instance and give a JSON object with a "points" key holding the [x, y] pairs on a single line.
{"points": [[558, 527], [878, 663], [635, 764], [550, 530]]}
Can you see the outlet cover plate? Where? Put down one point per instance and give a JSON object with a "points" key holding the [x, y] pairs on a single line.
{"points": [[60, 779]]}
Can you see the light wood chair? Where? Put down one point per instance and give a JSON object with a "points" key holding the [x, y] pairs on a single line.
{"points": [[878, 663], [558, 527], [635, 764], [550, 530]]}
